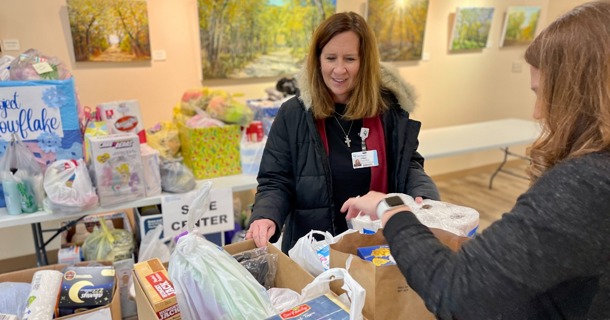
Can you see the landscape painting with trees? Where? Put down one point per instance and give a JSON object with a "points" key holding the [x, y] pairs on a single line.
{"points": [[399, 26], [257, 38], [109, 30], [520, 26], [471, 28]]}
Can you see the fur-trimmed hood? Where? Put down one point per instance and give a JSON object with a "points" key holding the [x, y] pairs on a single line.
{"points": [[390, 79]]}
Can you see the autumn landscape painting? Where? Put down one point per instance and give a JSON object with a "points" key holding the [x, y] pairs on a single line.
{"points": [[109, 30], [520, 26], [399, 26], [471, 28], [257, 38]]}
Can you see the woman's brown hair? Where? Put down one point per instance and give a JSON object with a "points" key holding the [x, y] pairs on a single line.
{"points": [[573, 57], [365, 100]]}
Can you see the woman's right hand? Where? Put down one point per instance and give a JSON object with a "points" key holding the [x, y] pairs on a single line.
{"points": [[261, 231]]}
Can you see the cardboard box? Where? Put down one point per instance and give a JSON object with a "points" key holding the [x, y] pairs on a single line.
{"points": [[147, 219], [379, 255], [323, 307], [85, 288], [110, 311], [211, 152], [76, 235], [115, 163], [123, 117], [124, 273], [155, 294]]}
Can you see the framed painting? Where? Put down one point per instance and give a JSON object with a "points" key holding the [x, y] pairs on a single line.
{"points": [[399, 27], [520, 26], [109, 30], [257, 38], [471, 28]]}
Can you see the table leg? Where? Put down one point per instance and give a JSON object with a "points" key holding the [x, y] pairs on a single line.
{"points": [[41, 252], [501, 166]]}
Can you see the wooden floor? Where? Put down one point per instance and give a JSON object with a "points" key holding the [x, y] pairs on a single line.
{"points": [[470, 189]]}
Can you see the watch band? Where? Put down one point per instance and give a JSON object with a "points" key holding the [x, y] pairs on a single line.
{"points": [[388, 203]]}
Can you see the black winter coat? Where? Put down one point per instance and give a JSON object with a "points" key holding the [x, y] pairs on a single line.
{"points": [[294, 181]]}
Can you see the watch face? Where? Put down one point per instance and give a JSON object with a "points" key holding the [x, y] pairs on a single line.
{"points": [[394, 201]]}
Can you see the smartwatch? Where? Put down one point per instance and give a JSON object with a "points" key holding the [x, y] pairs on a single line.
{"points": [[387, 204]]}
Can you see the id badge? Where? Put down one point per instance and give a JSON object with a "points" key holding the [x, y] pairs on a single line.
{"points": [[364, 159]]}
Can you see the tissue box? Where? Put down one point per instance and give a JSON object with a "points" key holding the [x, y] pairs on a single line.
{"points": [[152, 173], [122, 117], [211, 152], [116, 166]]}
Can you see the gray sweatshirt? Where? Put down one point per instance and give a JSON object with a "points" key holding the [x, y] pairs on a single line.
{"points": [[548, 258]]}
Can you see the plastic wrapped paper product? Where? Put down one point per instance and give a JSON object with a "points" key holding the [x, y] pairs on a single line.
{"points": [[13, 297], [209, 282], [459, 220], [43, 295]]}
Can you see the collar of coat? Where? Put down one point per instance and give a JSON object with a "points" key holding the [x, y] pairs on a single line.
{"points": [[390, 79]]}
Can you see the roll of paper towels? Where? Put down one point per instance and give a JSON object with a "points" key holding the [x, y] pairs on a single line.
{"points": [[43, 295]]}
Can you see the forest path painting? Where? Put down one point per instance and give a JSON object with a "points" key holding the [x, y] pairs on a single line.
{"points": [[272, 64], [257, 38], [109, 30]]}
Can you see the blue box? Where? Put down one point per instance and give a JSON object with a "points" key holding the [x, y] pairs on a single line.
{"points": [[44, 115], [321, 307], [379, 255]]}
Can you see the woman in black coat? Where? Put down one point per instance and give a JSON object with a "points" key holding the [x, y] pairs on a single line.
{"points": [[351, 110]]}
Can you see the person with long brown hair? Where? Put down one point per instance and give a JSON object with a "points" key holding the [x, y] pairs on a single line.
{"points": [[351, 110], [549, 257]]}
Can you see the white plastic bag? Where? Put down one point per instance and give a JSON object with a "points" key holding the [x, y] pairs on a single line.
{"points": [[68, 187], [354, 291], [311, 254], [152, 246], [209, 282]]}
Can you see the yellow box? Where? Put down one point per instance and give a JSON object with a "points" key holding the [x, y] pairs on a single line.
{"points": [[211, 152], [153, 285]]}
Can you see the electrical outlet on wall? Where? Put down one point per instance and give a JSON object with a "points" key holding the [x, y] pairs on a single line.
{"points": [[10, 45], [159, 55], [517, 67]]}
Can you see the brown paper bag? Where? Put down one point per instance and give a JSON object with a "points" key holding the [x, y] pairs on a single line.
{"points": [[388, 296]]}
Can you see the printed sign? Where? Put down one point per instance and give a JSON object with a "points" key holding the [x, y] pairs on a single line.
{"points": [[30, 112], [218, 217]]}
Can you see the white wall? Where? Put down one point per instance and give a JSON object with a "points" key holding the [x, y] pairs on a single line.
{"points": [[452, 88]]}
